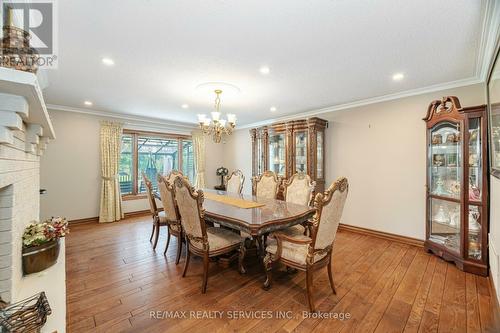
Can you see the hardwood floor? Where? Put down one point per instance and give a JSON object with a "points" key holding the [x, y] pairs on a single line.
{"points": [[115, 281]]}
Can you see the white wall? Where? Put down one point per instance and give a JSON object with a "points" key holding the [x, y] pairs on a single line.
{"points": [[70, 169], [380, 148], [495, 232]]}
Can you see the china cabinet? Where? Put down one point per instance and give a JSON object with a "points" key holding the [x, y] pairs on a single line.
{"points": [[290, 147], [457, 184]]}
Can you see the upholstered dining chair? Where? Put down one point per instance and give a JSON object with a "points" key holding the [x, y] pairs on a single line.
{"points": [[234, 182], [299, 189], [311, 253], [173, 219], [159, 218], [201, 240], [266, 185]]}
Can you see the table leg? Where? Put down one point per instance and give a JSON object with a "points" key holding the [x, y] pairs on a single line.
{"points": [[243, 250]]}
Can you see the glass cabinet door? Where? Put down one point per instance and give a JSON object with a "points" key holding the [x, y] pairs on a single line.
{"points": [[475, 189], [475, 232], [260, 155], [445, 189], [474, 160], [319, 155], [445, 161], [300, 152], [277, 153]]}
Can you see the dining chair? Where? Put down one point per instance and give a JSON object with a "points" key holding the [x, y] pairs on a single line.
{"points": [[266, 185], [299, 189], [159, 218], [201, 240], [311, 253], [173, 219], [234, 182]]}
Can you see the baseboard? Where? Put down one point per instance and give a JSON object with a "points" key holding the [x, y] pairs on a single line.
{"points": [[96, 218], [85, 220], [493, 291], [138, 213], [382, 234]]}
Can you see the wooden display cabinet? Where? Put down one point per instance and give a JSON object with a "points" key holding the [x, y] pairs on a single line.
{"points": [[289, 147], [457, 184]]}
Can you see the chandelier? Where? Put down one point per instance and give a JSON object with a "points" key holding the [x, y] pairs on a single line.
{"points": [[216, 126]]}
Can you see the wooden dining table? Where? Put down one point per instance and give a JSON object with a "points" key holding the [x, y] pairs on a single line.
{"points": [[258, 222]]}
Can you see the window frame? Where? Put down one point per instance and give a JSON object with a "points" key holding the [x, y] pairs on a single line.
{"points": [[135, 195]]}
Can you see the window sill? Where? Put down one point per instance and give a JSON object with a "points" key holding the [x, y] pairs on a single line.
{"points": [[127, 197]]}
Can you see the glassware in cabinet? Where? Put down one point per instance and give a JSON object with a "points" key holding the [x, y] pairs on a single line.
{"points": [[475, 232], [445, 223], [277, 153], [301, 152]]}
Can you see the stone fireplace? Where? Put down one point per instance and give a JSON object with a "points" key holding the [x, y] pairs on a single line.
{"points": [[25, 130]]}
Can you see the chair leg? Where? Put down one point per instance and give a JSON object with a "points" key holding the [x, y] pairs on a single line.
{"points": [[309, 282], [205, 273], [330, 276], [157, 235], [179, 249], [168, 241], [152, 233], [186, 264]]}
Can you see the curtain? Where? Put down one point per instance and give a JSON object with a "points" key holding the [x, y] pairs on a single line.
{"points": [[199, 159], [111, 200]]}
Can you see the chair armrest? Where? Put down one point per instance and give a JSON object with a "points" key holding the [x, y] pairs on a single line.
{"points": [[283, 237]]}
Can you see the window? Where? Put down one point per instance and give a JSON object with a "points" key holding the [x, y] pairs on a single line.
{"points": [[152, 154]]}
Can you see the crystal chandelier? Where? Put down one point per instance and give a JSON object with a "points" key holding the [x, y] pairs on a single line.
{"points": [[216, 126]]}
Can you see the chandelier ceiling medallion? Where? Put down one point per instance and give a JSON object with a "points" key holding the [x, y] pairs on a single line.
{"points": [[216, 126]]}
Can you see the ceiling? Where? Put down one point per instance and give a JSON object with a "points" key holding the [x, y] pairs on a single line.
{"points": [[320, 53]]}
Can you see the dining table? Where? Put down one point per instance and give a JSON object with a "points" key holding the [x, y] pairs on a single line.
{"points": [[252, 215]]}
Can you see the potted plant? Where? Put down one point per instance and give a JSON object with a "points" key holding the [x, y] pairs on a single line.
{"points": [[41, 244]]}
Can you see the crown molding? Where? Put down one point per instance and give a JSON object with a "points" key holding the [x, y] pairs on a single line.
{"points": [[490, 32], [368, 101], [132, 121]]}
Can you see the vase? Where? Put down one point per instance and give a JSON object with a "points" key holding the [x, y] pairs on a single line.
{"points": [[41, 257]]}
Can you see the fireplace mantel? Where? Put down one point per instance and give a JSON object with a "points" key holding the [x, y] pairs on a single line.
{"points": [[21, 101]]}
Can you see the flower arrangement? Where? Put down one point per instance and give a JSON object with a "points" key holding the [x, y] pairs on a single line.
{"points": [[222, 171], [37, 233]]}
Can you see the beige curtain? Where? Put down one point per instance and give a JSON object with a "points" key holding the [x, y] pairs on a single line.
{"points": [[199, 159], [111, 200]]}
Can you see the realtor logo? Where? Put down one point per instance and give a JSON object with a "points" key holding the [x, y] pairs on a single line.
{"points": [[29, 30]]}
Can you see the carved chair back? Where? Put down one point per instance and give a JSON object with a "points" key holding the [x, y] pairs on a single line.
{"points": [[266, 185], [150, 195], [172, 175], [190, 204], [167, 195], [234, 182], [299, 189], [329, 207]]}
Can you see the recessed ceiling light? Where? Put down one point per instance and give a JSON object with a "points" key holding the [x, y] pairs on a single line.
{"points": [[264, 70], [273, 109], [184, 106], [108, 61], [88, 103], [398, 76]]}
